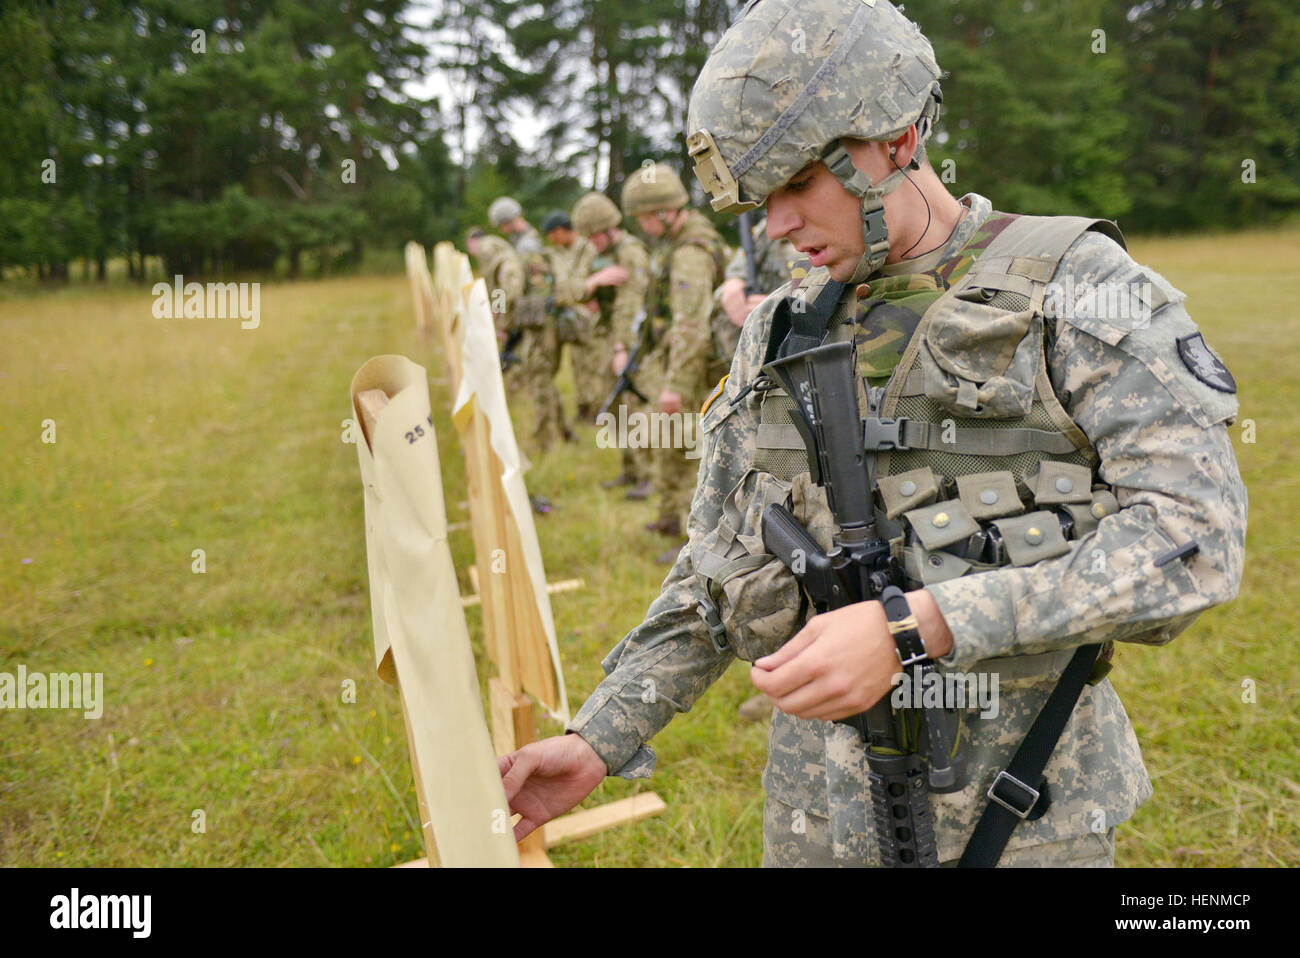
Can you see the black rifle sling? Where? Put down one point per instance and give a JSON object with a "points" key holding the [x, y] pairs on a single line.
{"points": [[798, 325], [1016, 793]]}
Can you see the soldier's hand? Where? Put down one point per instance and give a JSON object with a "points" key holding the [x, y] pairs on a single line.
{"points": [[843, 662], [733, 301], [670, 402], [609, 276], [619, 362], [839, 664], [547, 778]]}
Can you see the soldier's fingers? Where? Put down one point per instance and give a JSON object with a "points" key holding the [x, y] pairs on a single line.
{"points": [[811, 700], [785, 679], [831, 709], [523, 764], [802, 639]]}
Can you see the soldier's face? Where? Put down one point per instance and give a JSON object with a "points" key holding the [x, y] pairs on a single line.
{"points": [[820, 217], [599, 240], [652, 224]]}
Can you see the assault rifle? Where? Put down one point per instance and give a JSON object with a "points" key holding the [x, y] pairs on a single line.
{"points": [[624, 382], [859, 568], [745, 225], [508, 355]]}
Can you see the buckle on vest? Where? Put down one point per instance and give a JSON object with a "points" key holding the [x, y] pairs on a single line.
{"points": [[1012, 781], [879, 435], [708, 611]]}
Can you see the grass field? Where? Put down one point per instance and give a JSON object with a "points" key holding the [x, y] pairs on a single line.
{"points": [[222, 689]]}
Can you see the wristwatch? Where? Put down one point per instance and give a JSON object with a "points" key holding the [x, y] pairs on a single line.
{"points": [[902, 626]]}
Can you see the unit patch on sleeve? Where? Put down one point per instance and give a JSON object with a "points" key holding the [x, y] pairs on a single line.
{"points": [[1204, 365]]}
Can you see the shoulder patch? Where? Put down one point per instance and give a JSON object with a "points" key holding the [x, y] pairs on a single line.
{"points": [[1202, 363], [717, 391]]}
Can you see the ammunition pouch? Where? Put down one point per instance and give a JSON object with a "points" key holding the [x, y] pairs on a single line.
{"points": [[531, 311], [759, 602], [572, 325]]}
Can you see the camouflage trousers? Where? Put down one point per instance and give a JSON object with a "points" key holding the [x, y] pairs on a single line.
{"points": [[592, 376], [794, 838], [674, 464], [541, 362]]}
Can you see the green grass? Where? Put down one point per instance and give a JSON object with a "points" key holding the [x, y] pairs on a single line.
{"points": [[223, 689]]}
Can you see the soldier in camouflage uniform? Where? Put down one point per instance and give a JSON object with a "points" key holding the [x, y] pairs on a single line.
{"points": [[689, 259], [567, 250], [503, 274], [774, 261], [1091, 437], [535, 315], [615, 276]]}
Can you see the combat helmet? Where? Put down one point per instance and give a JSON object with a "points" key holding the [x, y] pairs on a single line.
{"points": [[503, 210], [595, 213], [654, 189], [789, 81]]}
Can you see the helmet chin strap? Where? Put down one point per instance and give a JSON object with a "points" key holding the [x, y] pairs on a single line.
{"points": [[875, 235]]}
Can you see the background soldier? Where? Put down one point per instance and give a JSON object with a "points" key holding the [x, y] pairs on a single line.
{"points": [[507, 215], [566, 251], [1088, 492], [689, 259], [534, 315], [773, 263], [503, 274], [615, 277]]}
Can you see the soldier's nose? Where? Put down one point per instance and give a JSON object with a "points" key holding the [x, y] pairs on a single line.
{"points": [[781, 218]]}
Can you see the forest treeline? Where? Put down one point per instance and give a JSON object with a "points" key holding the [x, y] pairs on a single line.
{"points": [[222, 136]]}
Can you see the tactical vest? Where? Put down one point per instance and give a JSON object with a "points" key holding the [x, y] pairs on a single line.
{"points": [[605, 295], [496, 252], [536, 307], [696, 231], [977, 463]]}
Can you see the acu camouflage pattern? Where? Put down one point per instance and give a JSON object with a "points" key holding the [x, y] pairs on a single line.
{"points": [[1163, 447], [795, 838], [767, 61]]}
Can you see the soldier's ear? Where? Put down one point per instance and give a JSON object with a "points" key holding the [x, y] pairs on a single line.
{"points": [[903, 149]]}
